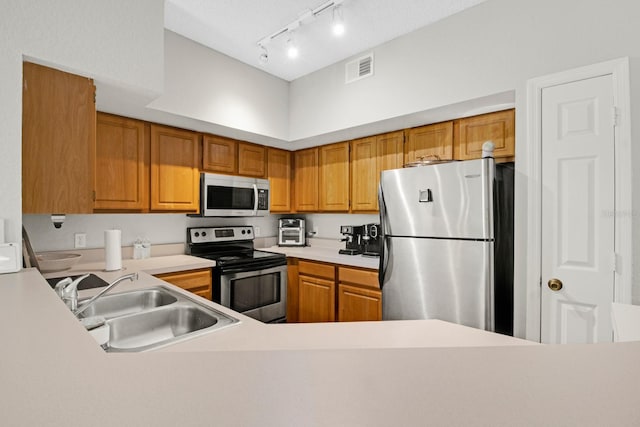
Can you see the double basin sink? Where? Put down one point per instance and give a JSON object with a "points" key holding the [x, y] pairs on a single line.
{"points": [[149, 318]]}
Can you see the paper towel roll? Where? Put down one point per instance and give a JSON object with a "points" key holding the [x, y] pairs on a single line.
{"points": [[112, 250]]}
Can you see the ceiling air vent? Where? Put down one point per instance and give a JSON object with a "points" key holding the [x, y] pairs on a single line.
{"points": [[359, 68]]}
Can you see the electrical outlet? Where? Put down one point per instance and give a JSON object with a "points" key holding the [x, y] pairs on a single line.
{"points": [[80, 240], [256, 231]]}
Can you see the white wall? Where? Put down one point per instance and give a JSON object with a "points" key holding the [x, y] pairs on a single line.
{"points": [[166, 228], [118, 41], [206, 85], [328, 225], [158, 228], [491, 48]]}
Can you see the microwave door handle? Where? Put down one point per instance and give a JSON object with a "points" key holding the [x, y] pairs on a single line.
{"points": [[255, 199]]}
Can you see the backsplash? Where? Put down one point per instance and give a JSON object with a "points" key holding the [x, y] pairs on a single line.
{"points": [[328, 225], [158, 228], [166, 228]]}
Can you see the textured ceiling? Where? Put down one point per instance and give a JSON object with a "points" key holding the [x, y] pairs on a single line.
{"points": [[234, 27]]}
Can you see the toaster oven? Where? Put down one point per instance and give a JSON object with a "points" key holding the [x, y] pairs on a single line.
{"points": [[291, 232]]}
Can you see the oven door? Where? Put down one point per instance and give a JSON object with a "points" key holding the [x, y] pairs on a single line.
{"points": [[260, 294]]}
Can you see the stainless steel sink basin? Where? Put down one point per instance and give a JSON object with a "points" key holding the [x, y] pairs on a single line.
{"points": [[161, 326], [124, 303], [153, 317]]}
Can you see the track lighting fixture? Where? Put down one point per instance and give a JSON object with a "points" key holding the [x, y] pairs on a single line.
{"points": [[264, 55], [338, 28]]}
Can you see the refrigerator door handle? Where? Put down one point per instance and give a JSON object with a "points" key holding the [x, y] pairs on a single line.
{"points": [[382, 236]]}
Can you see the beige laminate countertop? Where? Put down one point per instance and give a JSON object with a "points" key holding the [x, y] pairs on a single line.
{"points": [[53, 373], [327, 253], [154, 265]]}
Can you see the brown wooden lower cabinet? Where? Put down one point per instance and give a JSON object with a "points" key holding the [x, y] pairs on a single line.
{"points": [[195, 281], [316, 299], [358, 304], [359, 295], [324, 292]]}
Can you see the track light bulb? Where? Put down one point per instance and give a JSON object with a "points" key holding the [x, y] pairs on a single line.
{"points": [[338, 21], [292, 49]]}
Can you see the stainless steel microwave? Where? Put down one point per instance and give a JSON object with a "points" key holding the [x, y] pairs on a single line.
{"points": [[225, 195]]}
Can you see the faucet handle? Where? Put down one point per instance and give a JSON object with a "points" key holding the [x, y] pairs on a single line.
{"points": [[68, 291], [61, 285]]}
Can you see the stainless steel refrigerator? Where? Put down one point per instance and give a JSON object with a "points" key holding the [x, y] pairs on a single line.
{"points": [[437, 256]]}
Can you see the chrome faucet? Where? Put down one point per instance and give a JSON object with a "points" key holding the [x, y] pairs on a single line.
{"points": [[68, 291], [78, 310]]}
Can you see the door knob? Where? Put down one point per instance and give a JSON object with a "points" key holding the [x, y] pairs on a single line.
{"points": [[555, 284]]}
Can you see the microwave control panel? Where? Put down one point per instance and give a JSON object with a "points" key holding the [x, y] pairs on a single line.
{"points": [[263, 199]]}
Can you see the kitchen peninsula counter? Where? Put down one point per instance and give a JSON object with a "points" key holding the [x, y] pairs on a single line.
{"points": [[53, 373]]}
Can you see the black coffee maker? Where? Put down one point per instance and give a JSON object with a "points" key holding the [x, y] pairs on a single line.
{"points": [[353, 238], [371, 240]]}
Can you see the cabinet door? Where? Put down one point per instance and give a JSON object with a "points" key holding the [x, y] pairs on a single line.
{"points": [[195, 281], [364, 174], [306, 182], [390, 151], [430, 142], [334, 177], [474, 131], [122, 165], [279, 173], [358, 304], [175, 178], [251, 160], [219, 155], [316, 299], [58, 141]]}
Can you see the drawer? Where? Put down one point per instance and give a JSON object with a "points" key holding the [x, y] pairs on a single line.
{"points": [[196, 281], [317, 269], [368, 278]]}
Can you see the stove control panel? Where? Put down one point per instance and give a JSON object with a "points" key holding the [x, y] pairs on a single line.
{"points": [[197, 235]]}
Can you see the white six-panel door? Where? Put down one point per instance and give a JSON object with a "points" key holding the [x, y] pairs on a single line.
{"points": [[578, 205]]}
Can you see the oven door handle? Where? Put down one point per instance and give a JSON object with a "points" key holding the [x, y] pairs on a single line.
{"points": [[261, 269], [255, 199]]}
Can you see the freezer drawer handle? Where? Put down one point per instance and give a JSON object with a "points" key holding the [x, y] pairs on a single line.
{"points": [[426, 196]]}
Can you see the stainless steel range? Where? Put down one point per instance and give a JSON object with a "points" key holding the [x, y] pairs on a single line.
{"points": [[246, 280]]}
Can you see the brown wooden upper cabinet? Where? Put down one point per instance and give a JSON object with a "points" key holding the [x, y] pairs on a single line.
{"points": [[473, 132], [251, 160], [58, 141], [175, 177], [306, 180], [369, 157], [364, 174], [429, 142], [122, 164], [279, 174], [334, 177], [219, 154]]}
